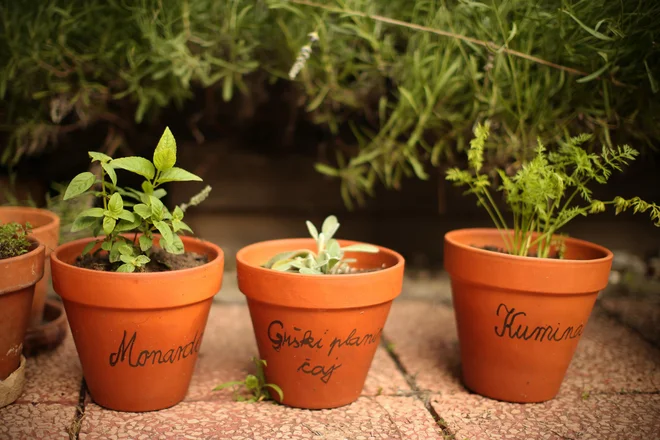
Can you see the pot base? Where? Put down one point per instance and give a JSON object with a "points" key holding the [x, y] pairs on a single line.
{"points": [[12, 387]]}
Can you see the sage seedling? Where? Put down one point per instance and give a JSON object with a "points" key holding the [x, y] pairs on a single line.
{"points": [[329, 257], [129, 211], [542, 193]]}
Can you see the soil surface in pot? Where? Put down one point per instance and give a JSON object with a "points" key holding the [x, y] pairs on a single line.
{"points": [[504, 251], [161, 261]]}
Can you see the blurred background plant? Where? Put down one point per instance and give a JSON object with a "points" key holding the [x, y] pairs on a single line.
{"points": [[394, 88]]}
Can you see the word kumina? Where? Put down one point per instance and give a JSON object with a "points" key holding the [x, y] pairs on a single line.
{"points": [[515, 330], [125, 352]]}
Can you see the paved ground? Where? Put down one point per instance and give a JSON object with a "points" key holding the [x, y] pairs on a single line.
{"points": [[611, 391]]}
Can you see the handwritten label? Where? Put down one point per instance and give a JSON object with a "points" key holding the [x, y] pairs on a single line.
{"points": [[125, 353], [326, 346], [513, 329]]}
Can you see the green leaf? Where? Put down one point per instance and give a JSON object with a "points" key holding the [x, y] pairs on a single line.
{"points": [[593, 75], [81, 183], [110, 172], [124, 225], [330, 226], [157, 208], [165, 231], [361, 248], [178, 225], [88, 247], [137, 165], [277, 389], [178, 213], [114, 252], [312, 230], [101, 157], [228, 384], [81, 223], [145, 243], [106, 245], [115, 205], [165, 154], [109, 225], [128, 259], [128, 268], [92, 212], [251, 382], [308, 271], [176, 246], [142, 210], [141, 260], [593, 32], [334, 250], [147, 187], [327, 170], [127, 215], [159, 193], [177, 174], [125, 249]]}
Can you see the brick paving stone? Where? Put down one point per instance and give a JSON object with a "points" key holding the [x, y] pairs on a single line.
{"points": [[367, 419], [641, 312], [35, 421], [598, 417], [609, 358], [229, 345], [54, 376]]}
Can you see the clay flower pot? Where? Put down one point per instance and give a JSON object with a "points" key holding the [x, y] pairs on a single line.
{"points": [[137, 334], [520, 319], [45, 228], [318, 333], [18, 277]]}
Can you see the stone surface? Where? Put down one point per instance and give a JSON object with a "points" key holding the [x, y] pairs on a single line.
{"points": [[366, 419], [597, 417], [640, 312], [29, 421]]}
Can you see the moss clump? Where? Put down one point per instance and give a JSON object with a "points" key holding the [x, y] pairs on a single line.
{"points": [[13, 240]]}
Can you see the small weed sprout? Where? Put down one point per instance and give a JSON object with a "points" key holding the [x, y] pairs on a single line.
{"points": [[129, 211], [541, 194], [329, 257], [255, 384]]}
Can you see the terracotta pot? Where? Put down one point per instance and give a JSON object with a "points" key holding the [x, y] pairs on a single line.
{"points": [[520, 319], [318, 333], [46, 229], [18, 277], [137, 334]]}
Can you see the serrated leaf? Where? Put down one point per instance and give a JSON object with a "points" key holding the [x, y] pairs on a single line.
{"points": [[110, 172], [127, 268], [157, 208], [88, 247], [165, 231], [176, 246], [97, 156], [142, 210], [145, 243], [106, 246], [177, 174], [115, 205], [125, 249], [165, 153], [141, 260], [178, 213], [81, 183], [109, 225], [92, 212], [81, 223], [126, 259], [114, 252], [137, 165], [178, 225]]}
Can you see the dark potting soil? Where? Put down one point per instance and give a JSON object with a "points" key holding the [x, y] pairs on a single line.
{"points": [[504, 251], [161, 261]]}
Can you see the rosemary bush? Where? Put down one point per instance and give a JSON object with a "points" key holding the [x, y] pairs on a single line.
{"points": [[542, 193], [407, 79]]}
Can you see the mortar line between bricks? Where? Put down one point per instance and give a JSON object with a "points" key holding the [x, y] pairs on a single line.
{"points": [[385, 342], [76, 423]]}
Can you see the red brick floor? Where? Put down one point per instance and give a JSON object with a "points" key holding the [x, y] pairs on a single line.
{"points": [[413, 391]]}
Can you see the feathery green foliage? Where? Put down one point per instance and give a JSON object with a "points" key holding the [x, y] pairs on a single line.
{"points": [[146, 216], [400, 97], [13, 240], [329, 257], [544, 194]]}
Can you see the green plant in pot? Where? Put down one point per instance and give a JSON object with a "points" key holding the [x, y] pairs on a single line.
{"points": [[523, 294], [21, 267], [137, 294], [318, 307]]}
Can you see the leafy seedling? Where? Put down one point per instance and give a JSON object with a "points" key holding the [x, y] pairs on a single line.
{"points": [[255, 385], [129, 211], [541, 195], [329, 257]]}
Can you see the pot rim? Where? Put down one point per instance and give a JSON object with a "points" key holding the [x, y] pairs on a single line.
{"points": [[456, 236], [55, 260], [54, 218], [37, 248], [240, 257]]}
